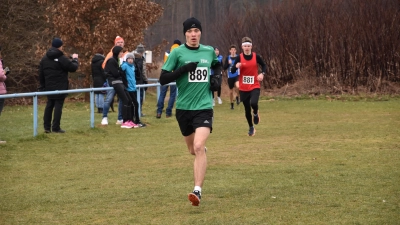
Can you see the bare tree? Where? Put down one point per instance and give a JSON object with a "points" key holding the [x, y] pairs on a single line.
{"points": [[331, 46], [22, 34]]}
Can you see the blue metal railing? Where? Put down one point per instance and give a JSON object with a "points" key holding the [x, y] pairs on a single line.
{"points": [[91, 90]]}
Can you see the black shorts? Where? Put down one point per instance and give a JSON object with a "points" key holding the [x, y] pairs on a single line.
{"points": [[190, 120], [232, 81]]}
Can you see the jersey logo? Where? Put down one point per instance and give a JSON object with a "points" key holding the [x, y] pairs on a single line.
{"points": [[203, 60]]}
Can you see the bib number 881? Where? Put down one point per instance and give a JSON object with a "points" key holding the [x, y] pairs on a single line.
{"points": [[248, 80]]}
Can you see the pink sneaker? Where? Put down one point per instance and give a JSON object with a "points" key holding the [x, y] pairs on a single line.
{"points": [[134, 125], [127, 124]]}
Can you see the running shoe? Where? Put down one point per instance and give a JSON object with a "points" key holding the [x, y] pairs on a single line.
{"points": [[219, 100], [252, 131], [195, 197], [104, 121], [127, 124], [232, 105], [119, 122], [256, 118]]}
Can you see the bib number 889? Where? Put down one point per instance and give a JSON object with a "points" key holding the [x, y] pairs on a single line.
{"points": [[199, 75]]}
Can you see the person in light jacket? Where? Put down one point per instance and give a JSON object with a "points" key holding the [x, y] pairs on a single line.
{"points": [[3, 89]]}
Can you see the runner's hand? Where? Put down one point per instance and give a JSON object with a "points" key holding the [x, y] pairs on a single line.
{"points": [[260, 77], [190, 67]]}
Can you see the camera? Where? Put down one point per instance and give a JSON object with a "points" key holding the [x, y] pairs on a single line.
{"points": [[73, 56], [7, 70]]}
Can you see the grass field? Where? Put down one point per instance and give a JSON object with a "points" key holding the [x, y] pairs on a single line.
{"points": [[311, 162]]}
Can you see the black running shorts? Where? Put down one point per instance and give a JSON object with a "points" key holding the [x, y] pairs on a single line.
{"points": [[232, 81], [190, 120]]}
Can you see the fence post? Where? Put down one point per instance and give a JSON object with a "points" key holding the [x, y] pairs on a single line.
{"points": [[158, 92], [35, 115], [92, 109], [138, 100]]}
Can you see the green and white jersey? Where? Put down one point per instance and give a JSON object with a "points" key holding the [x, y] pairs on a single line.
{"points": [[194, 88]]}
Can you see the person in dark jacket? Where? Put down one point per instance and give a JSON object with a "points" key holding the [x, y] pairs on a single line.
{"points": [[140, 73], [98, 77], [117, 79], [53, 75]]}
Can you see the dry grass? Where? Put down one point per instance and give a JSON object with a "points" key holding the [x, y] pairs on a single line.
{"points": [[311, 162]]}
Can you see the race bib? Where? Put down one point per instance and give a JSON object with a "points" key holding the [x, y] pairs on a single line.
{"points": [[248, 80], [199, 75]]}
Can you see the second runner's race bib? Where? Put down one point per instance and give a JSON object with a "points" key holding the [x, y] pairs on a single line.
{"points": [[248, 80]]}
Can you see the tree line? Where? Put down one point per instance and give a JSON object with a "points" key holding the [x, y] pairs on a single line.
{"points": [[330, 46], [325, 46]]}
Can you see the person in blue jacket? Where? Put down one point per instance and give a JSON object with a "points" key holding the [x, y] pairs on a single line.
{"points": [[128, 67]]}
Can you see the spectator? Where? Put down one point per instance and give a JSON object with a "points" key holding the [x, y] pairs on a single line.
{"points": [[3, 89], [141, 77], [164, 90], [119, 41], [53, 75], [3, 77], [117, 79], [129, 68], [98, 78]]}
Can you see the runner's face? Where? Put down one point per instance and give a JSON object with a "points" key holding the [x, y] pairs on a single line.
{"points": [[193, 37], [232, 51], [246, 48]]}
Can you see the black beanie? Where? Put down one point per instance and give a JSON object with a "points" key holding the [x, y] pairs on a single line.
{"points": [[116, 50], [177, 42], [56, 43], [191, 23]]}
